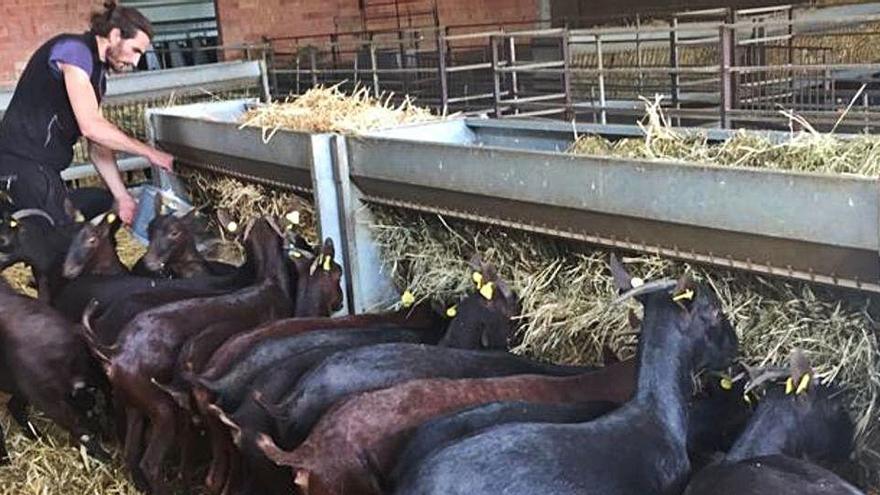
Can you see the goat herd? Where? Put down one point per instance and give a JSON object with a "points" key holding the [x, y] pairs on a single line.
{"points": [[187, 362]]}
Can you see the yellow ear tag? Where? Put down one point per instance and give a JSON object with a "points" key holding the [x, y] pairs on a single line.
{"points": [[684, 296], [296, 254], [478, 279], [636, 282], [327, 261], [79, 218], [789, 386], [232, 226], [407, 299], [487, 291], [110, 218], [803, 385], [13, 224], [452, 311], [726, 383]]}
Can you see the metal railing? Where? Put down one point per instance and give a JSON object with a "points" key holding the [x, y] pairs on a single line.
{"points": [[723, 67]]}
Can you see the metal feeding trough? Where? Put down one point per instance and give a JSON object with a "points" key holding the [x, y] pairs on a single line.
{"points": [[515, 173]]}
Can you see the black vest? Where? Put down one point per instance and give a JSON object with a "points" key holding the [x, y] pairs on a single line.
{"points": [[39, 124]]}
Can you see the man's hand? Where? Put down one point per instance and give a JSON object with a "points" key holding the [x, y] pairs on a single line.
{"points": [[127, 207], [161, 159]]}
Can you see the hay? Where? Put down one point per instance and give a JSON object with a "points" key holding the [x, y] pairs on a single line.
{"points": [[327, 109], [806, 151], [246, 201], [53, 467]]}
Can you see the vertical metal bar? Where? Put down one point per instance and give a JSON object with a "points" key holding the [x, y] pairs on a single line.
{"points": [[641, 80], [441, 68], [373, 67], [566, 74], [726, 75], [313, 60], [865, 105], [264, 79], [298, 75], [514, 93], [603, 118], [272, 66], [496, 75], [334, 50], [356, 70], [791, 50], [673, 56], [401, 58]]}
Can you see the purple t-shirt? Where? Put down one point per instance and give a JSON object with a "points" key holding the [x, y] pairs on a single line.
{"points": [[73, 52]]}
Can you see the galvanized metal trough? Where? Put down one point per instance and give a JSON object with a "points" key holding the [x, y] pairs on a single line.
{"points": [[821, 228]]}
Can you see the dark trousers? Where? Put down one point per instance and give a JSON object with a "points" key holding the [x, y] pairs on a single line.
{"points": [[32, 185]]}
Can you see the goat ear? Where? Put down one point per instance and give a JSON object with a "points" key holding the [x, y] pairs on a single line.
{"points": [[622, 278], [609, 357], [72, 212], [801, 373], [476, 263], [327, 249], [301, 480], [327, 254], [634, 322], [490, 273], [158, 209], [684, 292]]}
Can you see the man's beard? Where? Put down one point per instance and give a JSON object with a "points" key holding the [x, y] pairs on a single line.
{"points": [[114, 63]]}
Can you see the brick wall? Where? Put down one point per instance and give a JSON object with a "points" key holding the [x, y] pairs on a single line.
{"points": [[249, 20], [26, 24]]}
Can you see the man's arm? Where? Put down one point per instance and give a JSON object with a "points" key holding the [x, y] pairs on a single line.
{"points": [[105, 162], [96, 128]]}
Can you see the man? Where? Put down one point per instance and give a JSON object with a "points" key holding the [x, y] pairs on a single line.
{"points": [[57, 100]]}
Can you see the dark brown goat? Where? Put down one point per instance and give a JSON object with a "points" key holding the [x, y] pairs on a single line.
{"points": [[147, 349], [48, 365], [93, 249], [172, 251], [367, 431]]}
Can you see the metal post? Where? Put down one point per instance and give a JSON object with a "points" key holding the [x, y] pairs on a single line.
{"points": [[514, 93], [298, 75], [356, 75], [374, 68], [441, 68], [641, 80], [264, 79], [791, 51], [726, 76], [271, 66], [496, 76], [566, 74], [401, 58], [673, 55], [334, 50], [313, 60], [603, 118]]}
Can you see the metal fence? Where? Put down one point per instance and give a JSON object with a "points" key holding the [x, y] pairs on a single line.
{"points": [[723, 67]]}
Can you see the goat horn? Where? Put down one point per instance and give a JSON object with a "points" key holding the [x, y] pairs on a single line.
{"points": [[32, 212], [764, 377], [647, 288], [274, 226]]}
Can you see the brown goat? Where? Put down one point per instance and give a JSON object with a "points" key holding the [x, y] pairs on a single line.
{"points": [[147, 350], [366, 432]]}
